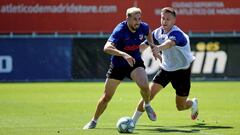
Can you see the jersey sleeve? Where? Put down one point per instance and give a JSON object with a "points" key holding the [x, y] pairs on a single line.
{"points": [[178, 37], [116, 35], [145, 28]]}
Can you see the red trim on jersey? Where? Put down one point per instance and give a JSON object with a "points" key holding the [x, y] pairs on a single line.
{"points": [[131, 48]]}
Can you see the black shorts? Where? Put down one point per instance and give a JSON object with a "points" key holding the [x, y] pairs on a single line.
{"points": [[180, 80], [119, 73]]}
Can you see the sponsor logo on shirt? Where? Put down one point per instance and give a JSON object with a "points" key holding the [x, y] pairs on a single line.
{"points": [[131, 48]]}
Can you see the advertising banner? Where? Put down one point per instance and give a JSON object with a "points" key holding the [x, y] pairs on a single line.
{"points": [[66, 59], [63, 16], [216, 58], [35, 59], [195, 15], [91, 16]]}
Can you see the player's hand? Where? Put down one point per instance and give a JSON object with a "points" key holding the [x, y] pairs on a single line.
{"points": [[156, 53], [157, 56], [152, 46], [131, 61], [155, 50]]}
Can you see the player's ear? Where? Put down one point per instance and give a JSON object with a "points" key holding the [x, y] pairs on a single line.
{"points": [[128, 17]]}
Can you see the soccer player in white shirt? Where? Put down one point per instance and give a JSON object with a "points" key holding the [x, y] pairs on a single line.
{"points": [[174, 46]]}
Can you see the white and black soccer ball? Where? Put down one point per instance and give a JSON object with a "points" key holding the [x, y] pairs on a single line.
{"points": [[125, 125]]}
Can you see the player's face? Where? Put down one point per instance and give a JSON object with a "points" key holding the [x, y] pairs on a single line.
{"points": [[167, 21], [134, 21]]}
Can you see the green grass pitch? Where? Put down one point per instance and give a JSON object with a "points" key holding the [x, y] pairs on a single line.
{"points": [[64, 108]]}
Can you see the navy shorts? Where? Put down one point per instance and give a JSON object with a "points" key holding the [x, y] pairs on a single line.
{"points": [[180, 80], [119, 73]]}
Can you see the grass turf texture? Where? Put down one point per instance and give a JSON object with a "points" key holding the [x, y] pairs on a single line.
{"points": [[64, 108]]}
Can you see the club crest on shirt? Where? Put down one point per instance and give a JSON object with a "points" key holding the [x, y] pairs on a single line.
{"points": [[141, 36], [162, 36]]}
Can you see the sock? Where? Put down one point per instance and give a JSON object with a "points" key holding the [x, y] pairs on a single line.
{"points": [[95, 120], [146, 104], [136, 116]]}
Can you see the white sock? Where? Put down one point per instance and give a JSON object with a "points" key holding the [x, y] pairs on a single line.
{"points": [[95, 120], [136, 116], [146, 104]]}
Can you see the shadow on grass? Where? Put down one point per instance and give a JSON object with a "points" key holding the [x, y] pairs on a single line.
{"points": [[182, 129], [205, 126], [114, 129]]}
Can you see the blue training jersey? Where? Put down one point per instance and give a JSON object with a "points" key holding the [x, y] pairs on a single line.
{"points": [[128, 42]]}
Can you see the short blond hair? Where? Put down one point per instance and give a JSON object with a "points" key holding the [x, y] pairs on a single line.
{"points": [[133, 10]]}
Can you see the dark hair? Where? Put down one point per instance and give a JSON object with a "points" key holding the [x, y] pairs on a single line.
{"points": [[169, 10]]}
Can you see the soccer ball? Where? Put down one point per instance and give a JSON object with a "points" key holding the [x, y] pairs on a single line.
{"points": [[125, 125]]}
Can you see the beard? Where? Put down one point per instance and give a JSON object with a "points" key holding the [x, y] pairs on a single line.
{"points": [[135, 27]]}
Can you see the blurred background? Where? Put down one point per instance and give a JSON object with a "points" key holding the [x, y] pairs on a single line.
{"points": [[62, 40]]}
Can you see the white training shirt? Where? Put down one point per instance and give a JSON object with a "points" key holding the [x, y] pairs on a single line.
{"points": [[177, 57]]}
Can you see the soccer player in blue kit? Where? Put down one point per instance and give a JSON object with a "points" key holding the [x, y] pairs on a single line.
{"points": [[126, 61], [175, 67]]}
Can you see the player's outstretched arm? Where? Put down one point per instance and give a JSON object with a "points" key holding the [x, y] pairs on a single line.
{"points": [[166, 45], [111, 49], [152, 45]]}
